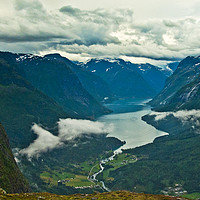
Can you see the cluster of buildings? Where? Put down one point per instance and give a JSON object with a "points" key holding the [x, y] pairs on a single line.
{"points": [[176, 190]]}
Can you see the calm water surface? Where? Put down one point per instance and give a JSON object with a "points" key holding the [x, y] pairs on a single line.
{"points": [[128, 125]]}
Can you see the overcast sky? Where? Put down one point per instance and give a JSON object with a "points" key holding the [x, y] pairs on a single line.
{"points": [[136, 30]]}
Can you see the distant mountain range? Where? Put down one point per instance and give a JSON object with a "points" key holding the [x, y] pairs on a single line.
{"points": [[126, 79]]}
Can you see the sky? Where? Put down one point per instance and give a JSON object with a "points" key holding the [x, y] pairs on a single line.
{"points": [[136, 30]]}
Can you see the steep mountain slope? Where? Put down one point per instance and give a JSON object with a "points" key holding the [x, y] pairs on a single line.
{"points": [[154, 76], [122, 80], [11, 179], [127, 79], [21, 105], [96, 86], [185, 98], [56, 79], [186, 72], [173, 66]]}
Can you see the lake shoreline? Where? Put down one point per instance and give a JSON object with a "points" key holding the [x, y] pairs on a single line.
{"points": [[129, 126]]}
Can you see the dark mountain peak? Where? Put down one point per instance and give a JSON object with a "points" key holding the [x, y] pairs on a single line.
{"points": [[188, 62], [59, 58], [54, 55]]}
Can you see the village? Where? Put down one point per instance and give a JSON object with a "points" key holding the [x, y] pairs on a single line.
{"points": [[176, 190]]}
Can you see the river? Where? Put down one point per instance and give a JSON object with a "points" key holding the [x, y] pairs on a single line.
{"points": [[127, 123]]}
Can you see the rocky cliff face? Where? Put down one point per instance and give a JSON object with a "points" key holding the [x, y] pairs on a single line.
{"points": [[187, 98], [11, 179], [182, 86]]}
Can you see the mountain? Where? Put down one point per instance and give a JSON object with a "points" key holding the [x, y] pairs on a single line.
{"points": [[153, 75], [173, 66], [21, 104], [186, 98], [11, 179], [95, 85], [186, 73], [55, 78], [126, 79]]}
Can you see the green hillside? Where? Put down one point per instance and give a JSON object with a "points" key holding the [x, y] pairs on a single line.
{"points": [[120, 195], [11, 179], [21, 105]]}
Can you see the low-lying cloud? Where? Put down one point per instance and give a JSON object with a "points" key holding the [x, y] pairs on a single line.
{"points": [[184, 115], [71, 128], [68, 129], [45, 142], [189, 119]]}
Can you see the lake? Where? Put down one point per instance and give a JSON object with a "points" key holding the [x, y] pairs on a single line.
{"points": [[127, 122]]}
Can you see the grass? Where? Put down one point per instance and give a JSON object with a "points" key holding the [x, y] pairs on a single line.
{"points": [[91, 167], [192, 196], [120, 160], [79, 181], [54, 176], [78, 177], [117, 195]]}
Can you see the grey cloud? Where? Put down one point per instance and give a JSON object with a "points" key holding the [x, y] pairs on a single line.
{"points": [[70, 10], [97, 33], [99, 16], [28, 5], [30, 26]]}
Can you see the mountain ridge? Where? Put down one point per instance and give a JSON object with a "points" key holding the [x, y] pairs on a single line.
{"points": [[114, 71]]}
